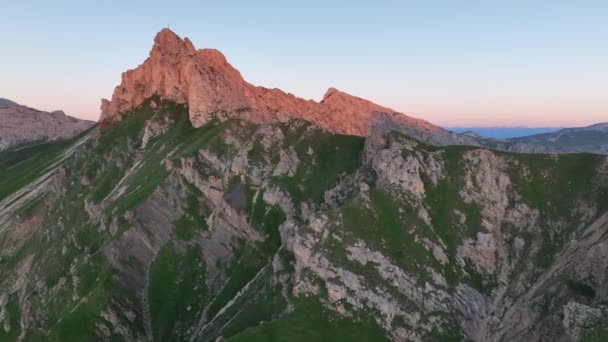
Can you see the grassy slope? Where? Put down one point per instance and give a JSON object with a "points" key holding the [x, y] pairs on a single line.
{"points": [[332, 156], [74, 309], [386, 220], [597, 334], [310, 321], [177, 292], [21, 166]]}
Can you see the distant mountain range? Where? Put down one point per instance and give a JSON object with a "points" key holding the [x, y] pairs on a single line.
{"points": [[592, 138], [499, 132], [20, 124], [7, 103]]}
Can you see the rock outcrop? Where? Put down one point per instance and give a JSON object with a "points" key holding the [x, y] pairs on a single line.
{"points": [[205, 81], [20, 124]]}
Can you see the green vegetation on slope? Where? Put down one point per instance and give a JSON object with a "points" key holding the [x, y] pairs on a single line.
{"points": [[79, 323], [177, 292], [251, 259], [193, 219], [331, 156], [266, 306], [310, 321], [12, 327], [444, 199], [22, 166], [382, 227], [75, 282], [597, 334], [250, 262], [553, 184]]}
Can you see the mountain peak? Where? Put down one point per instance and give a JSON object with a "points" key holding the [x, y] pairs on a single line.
{"points": [[168, 42], [331, 91], [166, 34], [344, 101], [205, 82], [333, 95]]}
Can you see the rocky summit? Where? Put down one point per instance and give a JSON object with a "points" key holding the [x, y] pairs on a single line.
{"points": [[21, 124], [209, 86], [205, 82], [207, 209]]}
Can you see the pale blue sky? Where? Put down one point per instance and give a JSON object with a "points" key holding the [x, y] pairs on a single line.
{"points": [[455, 63]]}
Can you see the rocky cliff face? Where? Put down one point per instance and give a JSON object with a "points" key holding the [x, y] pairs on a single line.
{"points": [[20, 124], [205, 82], [208, 84], [152, 229]]}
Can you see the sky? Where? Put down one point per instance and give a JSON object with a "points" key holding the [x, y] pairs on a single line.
{"points": [[454, 63]]}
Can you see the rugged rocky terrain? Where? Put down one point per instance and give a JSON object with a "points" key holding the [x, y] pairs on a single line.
{"points": [[169, 223], [20, 124], [205, 82], [152, 228], [592, 138]]}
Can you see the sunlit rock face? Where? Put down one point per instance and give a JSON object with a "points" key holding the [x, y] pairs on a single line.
{"points": [[208, 84]]}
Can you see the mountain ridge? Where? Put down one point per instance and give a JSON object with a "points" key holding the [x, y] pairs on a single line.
{"points": [[592, 138], [502, 132], [7, 103], [210, 86], [21, 124], [205, 81]]}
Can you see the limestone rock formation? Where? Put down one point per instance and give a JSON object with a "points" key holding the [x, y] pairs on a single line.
{"points": [[205, 81], [21, 124]]}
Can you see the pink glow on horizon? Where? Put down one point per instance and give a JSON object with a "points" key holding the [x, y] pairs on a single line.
{"points": [[485, 63], [509, 116], [439, 113]]}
